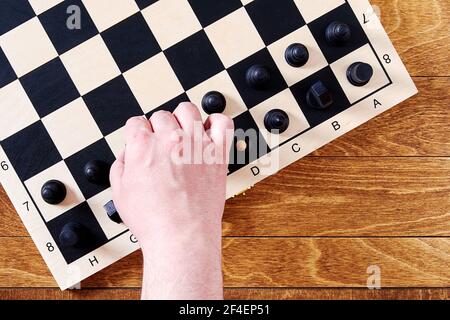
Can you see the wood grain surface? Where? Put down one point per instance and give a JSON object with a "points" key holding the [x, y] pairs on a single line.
{"points": [[378, 196]]}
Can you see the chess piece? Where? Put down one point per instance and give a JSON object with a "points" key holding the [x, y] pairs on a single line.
{"points": [[214, 102], [97, 172], [319, 97], [359, 73], [72, 234], [297, 55], [53, 192], [112, 213], [338, 33], [258, 77], [276, 121]]}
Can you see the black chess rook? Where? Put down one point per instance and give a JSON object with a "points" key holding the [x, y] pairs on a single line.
{"points": [[359, 73]]}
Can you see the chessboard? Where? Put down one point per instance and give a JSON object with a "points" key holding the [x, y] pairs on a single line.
{"points": [[293, 74]]}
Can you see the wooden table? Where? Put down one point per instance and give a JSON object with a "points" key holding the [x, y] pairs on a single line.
{"points": [[378, 196]]}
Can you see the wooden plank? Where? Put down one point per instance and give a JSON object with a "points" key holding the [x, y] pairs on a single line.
{"points": [[420, 33], [333, 197], [417, 127], [269, 262], [347, 197], [233, 294]]}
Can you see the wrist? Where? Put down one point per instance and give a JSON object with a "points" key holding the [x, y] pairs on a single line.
{"points": [[180, 271]]}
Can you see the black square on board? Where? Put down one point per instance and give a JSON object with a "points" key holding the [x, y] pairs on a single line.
{"points": [[314, 116], [345, 14], [49, 87], [31, 151], [194, 60], [97, 151], [275, 19], [142, 4], [171, 105], [246, 130], [112, 104], [253, 97], [208, 11], [93, 235], [55, 22], [131, 42], [13, 13], [7, 74]]}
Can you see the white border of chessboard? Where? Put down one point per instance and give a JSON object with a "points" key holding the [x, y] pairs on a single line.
{"points": [[400, 88]]}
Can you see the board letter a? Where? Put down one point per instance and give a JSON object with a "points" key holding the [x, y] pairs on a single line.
{"points": [[376, 103]]}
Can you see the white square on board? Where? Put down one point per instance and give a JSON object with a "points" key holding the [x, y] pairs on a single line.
{"points": [[72, 128], [286, 102], [90, 65], [171, 21], [27, 47], [363, 54], [234, 37], [40, 6], [21, 112], [116, 141], [223, 84], [153, 82], [106, 13], [316, 60], [311, 10], [61, 172]]}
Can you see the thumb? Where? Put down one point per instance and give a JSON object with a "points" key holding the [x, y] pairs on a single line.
{"points": [[115, 175]]}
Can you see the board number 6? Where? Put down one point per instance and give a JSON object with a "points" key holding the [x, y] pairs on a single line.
{"points": [[4, 165]]}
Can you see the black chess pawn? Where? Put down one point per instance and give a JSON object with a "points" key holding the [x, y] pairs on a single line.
{"points": [[319, 97], [72, 234], [112, 212], [276, 121], [359, 73], [338, 33], [53, 192], [297, 55], [258, 77], [214, 102], [97, 172]]}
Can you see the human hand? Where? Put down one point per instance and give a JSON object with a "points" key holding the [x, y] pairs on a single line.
{"points": [[169, 188]]}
